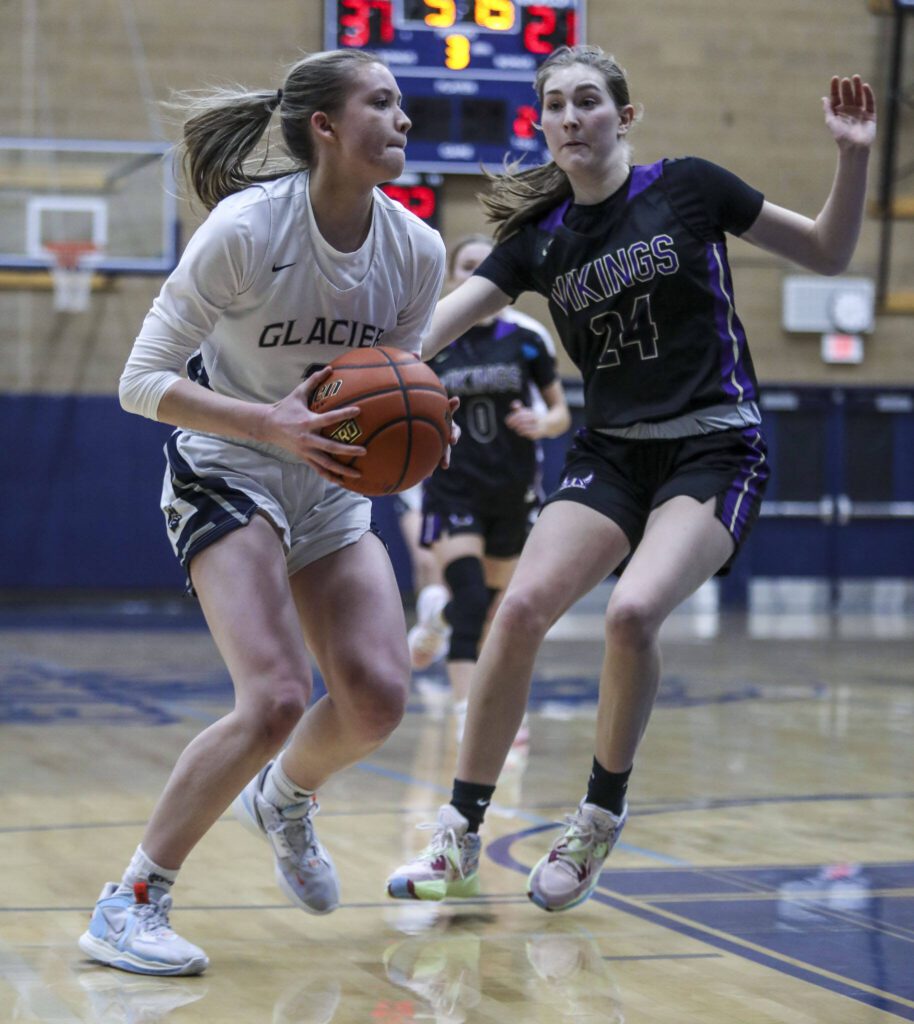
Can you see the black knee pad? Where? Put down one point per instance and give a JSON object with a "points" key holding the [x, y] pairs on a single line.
{"points": [[467, 609]]}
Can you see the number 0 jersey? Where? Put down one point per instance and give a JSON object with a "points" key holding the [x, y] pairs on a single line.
{"points": [[640, 291], [488, 368]]}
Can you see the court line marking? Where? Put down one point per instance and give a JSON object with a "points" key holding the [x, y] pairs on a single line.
{"points": [[746, 889], [668, 956], [500, 851], [743, 947]]}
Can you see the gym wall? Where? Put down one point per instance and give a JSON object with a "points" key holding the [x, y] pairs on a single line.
{"points": [[734, 81]]}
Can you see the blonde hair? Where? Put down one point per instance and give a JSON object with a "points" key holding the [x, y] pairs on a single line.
{"points": [[519, 194], [225, 126]]}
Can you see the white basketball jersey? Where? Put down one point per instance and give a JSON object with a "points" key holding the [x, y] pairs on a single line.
{"points": [[259, 298]]}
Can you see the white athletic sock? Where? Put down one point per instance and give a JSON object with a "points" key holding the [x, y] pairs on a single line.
{"points": [[142, 869], [281, 791]]}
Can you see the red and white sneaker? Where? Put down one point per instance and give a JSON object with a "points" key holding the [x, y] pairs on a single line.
{"points": [[448, 866], [569, 873]]}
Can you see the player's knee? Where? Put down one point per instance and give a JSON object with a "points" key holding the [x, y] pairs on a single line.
{"points": [[467, 610], [632, 622], [276, 713], [523, 615], [377, 702]]}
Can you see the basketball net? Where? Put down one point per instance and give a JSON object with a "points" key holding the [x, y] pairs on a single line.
{"points": [[71, 271]]}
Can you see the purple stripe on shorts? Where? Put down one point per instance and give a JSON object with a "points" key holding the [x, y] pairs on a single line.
{"points": [[503, 328], [745, 493], [431, 530], [734, 378], [643, 176], [554, 218]]}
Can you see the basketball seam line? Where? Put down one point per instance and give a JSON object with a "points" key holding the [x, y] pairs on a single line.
{"points": [[409, 420]]}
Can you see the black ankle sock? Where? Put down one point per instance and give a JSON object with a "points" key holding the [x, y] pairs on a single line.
{"points": [[607, 789], [471, 799]]}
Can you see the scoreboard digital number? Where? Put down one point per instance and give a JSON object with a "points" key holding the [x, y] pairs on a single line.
{"points": [[418, 193], [465, 68]]}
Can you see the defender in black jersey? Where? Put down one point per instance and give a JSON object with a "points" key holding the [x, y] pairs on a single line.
{"points": [[669, 471], [476, 514]]}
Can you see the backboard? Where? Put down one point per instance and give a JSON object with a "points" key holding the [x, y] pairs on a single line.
{"points": [[118, 196]]}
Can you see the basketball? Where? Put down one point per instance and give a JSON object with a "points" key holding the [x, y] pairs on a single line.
{"points": [[404, 420]]}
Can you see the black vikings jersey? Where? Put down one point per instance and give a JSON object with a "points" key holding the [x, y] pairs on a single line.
{"points": [[488, 368], [640, 291]]}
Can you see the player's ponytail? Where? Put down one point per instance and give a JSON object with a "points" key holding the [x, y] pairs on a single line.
{"points": [[518, 195], [223, 149]]}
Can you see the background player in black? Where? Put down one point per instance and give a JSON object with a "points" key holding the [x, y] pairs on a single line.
{"points": [[476, 514], [671, 467]]}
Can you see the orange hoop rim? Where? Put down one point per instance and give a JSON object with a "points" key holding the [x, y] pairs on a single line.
{"points": [[67, 254]]}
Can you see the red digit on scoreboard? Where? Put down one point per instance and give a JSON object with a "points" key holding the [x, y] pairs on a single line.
{"points": [[355, 26], [542, 31], [542, 24], [524, 125], [418, 199], [422, 201]]}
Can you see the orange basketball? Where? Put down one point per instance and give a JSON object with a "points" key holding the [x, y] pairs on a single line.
{"points": [[404, 420]]}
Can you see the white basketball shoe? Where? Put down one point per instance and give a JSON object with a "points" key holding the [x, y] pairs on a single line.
{"points": [[304, 870]]}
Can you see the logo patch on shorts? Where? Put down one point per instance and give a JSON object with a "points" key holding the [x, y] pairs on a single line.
{"points": [[347, 433], [172, 517], [579, 482], [457, 520]]}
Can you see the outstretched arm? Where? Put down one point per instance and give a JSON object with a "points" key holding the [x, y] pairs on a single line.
{"points": [[827, 243], [476, 299]]}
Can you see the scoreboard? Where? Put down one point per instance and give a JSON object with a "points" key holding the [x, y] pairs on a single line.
{"points": [[465, 68], [419, 193]]}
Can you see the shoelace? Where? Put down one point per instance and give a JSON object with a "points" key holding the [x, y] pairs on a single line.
{"points": [[155, 915], [284, 822], [577, 829], [444, 838]]}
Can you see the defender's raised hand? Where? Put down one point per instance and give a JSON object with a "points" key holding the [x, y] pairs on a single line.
{"points": [[850, 112]]}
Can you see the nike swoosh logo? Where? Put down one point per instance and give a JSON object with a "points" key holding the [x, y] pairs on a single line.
{"points": [[282, 266]]}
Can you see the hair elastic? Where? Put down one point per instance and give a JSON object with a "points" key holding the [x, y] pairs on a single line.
{"points": [[278, 98]]}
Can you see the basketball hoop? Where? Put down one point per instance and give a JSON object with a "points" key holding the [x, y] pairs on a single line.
{"points": [[72, 268]]}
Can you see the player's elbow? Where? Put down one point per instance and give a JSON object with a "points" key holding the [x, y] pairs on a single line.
{"points": [[127, 392], [830, 265]]}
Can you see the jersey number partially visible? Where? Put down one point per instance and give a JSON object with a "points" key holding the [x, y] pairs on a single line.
{"points": [[639, 330], [479, 414]]}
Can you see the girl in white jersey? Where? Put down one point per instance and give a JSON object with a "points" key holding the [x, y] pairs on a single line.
{"points": [[295, 264]]}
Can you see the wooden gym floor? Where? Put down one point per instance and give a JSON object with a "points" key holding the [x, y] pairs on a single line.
{"points": [[766, 874]]}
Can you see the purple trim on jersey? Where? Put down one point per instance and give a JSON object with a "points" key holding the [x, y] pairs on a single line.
{"points": [[734, 378], [741, 502], [553, 219], [643, 176], [503, 328]]}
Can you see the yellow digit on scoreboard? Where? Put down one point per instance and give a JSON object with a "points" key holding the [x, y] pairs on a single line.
{"points": [[444, 13], [497, 15], [457, 52]]}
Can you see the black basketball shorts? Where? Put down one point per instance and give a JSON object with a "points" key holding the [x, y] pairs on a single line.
{"points": [[502, 519], [625, 479]]}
